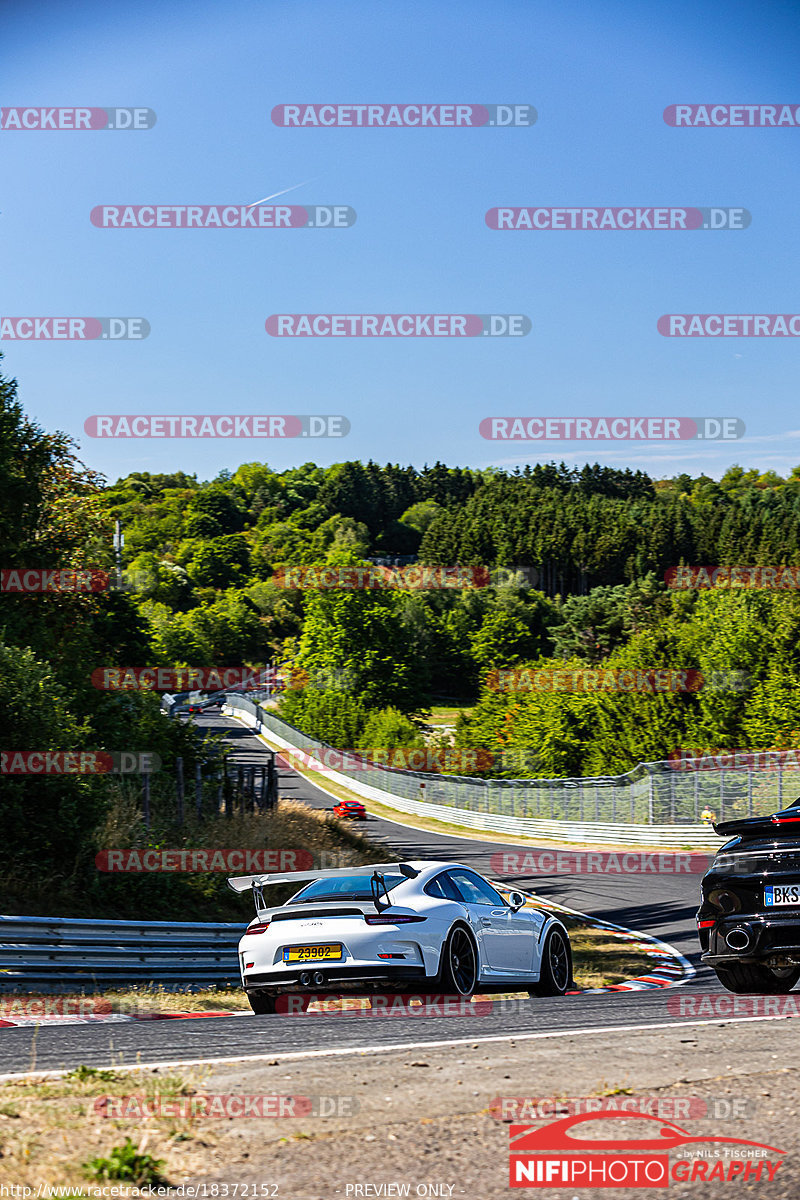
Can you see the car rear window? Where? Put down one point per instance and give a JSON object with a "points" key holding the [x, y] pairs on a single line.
{"points": [[346, 887]]}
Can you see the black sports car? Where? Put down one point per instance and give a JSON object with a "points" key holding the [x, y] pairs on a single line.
{"points": [[749, 918]]}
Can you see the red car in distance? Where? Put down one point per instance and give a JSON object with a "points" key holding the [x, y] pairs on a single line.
{"points": [[350, 808]]}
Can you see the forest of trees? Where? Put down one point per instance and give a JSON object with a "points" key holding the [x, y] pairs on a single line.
{"points": [[202, 562]]}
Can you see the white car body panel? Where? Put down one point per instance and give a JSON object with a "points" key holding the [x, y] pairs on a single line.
{"points": [[509, 943]]}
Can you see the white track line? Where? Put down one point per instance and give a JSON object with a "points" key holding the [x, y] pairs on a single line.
{"points": [[379, 1048]]}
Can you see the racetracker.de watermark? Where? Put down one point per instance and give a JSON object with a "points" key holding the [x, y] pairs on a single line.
{"points": [[777, 578], [384, 1006], [358, 325], [402, 116], [616, 679], [618, 218], [223, 216], [78, 762], [664, 1108], [729, 325], [378, 578], [77, 118], [207, 860], [721, 116], [598, 862], [220, 425], [428, 760], [32, 1008], [719, 759], [726, 1004], [74, 579], [220, 1106], [178, 679], [74, 329], [46, 579], [611, 429]]}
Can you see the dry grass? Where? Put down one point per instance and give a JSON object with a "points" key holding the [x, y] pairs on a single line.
{"points": [[601, 957], [49, 1130], [187, 897]]}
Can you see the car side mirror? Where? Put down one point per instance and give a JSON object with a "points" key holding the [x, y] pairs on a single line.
{"points": [[516, 901]]}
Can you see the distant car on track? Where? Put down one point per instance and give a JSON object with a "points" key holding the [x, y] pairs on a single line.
{"points": [[749, 917], [426, 926], [350, 808]]}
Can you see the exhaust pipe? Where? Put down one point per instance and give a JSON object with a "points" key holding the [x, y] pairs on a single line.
{"points": [[739, 938], [319, 978], [305, 978]]}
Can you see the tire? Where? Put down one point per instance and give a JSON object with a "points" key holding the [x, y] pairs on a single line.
{"points": [[262, 1003], [755, 978], [555, 975], [458, 971]]}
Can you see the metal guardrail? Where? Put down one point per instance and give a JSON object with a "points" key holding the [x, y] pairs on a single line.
{"points": [[49, 954], [652, 794]]}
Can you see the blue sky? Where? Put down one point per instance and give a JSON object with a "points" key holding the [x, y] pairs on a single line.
{"points": [[599, 76]]}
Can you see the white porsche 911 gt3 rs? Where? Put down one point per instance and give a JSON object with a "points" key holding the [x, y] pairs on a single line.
{"points": [[429, 926]]}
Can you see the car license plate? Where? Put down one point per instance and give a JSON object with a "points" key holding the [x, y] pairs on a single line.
{"points": [[777, 895], [313, 953]]}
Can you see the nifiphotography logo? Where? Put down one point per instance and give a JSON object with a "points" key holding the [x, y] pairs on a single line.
{"points": [[660, 1152]]}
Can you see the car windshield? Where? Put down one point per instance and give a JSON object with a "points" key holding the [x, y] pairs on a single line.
{"points": [[345, 887]]}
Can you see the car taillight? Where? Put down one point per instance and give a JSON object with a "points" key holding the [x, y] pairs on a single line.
{"points": [[392, 920], [258, 927], [706, 924]]}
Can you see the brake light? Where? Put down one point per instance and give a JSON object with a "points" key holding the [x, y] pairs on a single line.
{"points": [[401, 920], [258, 927], [706, 924]]}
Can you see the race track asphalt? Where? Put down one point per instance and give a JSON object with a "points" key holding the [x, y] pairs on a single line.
{"points": [[661, 905]]}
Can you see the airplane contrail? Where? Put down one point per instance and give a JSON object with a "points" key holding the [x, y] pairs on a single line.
{"points": [[283, 193]]}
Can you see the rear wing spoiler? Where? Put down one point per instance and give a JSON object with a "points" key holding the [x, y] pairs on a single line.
{"points": [[243, 883]]}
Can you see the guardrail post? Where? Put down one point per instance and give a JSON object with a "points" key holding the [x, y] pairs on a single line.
{"points": [[672, 798], [780, 785], [722, 794], [649, 798], [179, 788], [272, 783], [697, 797], [749, 793]]}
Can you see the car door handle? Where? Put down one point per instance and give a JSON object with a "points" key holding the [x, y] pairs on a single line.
{"points": [[486, 920]]}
